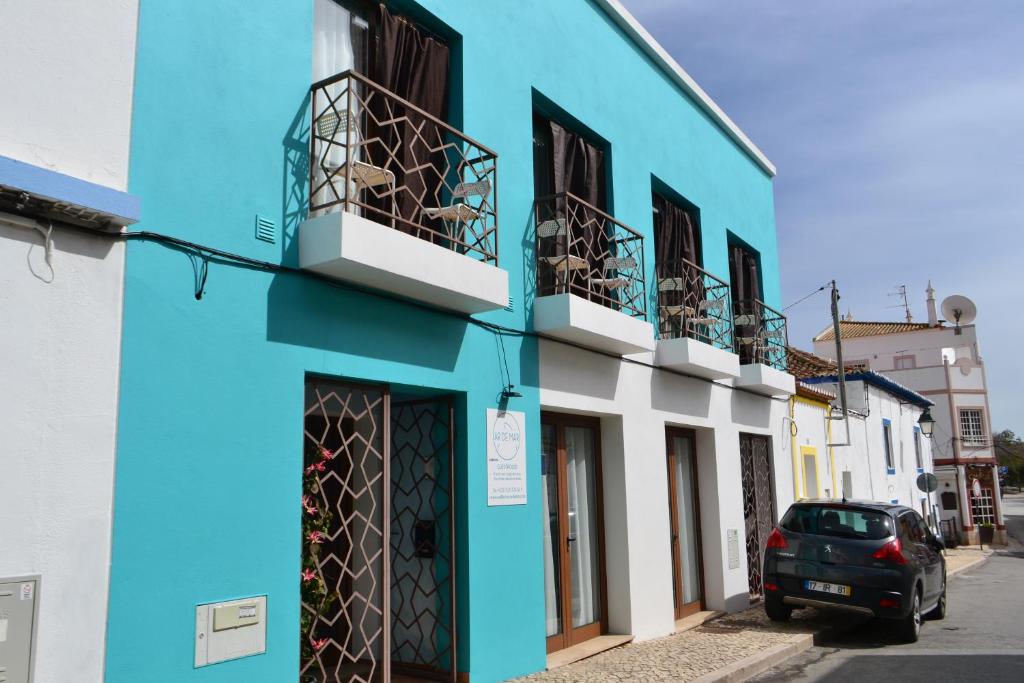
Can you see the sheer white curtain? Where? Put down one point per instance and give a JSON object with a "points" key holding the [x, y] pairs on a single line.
{"points": [[583, 559], [549, 479], [333, 52], [687, 518]]}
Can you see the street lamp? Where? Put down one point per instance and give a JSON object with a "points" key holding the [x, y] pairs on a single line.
{"points": [[926, 422]]}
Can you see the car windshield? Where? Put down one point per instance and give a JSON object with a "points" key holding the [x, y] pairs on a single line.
{"points": [[841, 522]]}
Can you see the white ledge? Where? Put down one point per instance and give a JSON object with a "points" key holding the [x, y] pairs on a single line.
{"points": [[574, 319], [697, 358], [766, 380], [348, 247]]}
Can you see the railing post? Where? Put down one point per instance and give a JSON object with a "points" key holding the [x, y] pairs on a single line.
{"points": [[349, 161], [312, 150]]}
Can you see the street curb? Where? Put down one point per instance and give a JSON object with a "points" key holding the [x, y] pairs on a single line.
{"points": [[748, 667], [964, 568]]}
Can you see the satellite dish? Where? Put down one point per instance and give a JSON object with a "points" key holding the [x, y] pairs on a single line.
{"points": [[959, 309]]}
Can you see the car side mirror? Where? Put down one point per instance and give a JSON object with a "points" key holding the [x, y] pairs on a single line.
{"points": [[936, 543]]}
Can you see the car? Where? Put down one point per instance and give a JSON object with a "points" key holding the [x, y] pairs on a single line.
{"points": [[875, 559]]}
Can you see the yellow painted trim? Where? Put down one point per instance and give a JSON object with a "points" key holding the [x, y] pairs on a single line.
{"points": [[831, 456], [811, 450], [792, 448]]}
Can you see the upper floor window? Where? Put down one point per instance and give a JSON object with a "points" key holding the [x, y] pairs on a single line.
{"points": [[972, 427], [908, 362], [919, 458], [890, 459]]}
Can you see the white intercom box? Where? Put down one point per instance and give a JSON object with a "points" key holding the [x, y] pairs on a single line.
{"points": [[229, 630]]}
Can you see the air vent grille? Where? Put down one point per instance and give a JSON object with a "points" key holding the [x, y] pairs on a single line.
{"points": [[511, 305], [266, 229]]}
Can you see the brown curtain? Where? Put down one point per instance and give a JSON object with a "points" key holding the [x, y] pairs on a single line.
{"points": [[746, 286], [414, 66], [677, 250], [578, 168]]}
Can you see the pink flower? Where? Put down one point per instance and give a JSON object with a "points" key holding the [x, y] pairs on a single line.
{"points": [[315, 536], [308, 575], [326, 454], [307, 503], [318, 644], [317, 467]]}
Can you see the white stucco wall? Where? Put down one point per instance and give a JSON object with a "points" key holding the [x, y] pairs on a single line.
{"points": [[636, 404], [66, 107], [811, 437], [67, 86]]}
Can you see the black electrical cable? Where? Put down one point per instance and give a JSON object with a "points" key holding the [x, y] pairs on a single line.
{"points": [[215, 255], [800, 301]]}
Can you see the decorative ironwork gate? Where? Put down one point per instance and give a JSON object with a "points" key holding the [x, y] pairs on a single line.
{"points": [[344, 624], [758, 504], [423, 539]]}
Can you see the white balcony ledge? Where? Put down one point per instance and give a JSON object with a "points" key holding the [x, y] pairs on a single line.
{"points": [[697, 358], [574, 319], [348, 247], [764, 379]]}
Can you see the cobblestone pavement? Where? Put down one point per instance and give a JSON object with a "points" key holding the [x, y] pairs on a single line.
{"points": [[686, 656]]}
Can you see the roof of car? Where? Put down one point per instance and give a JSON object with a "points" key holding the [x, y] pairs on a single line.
{"points": [[852, 503]]}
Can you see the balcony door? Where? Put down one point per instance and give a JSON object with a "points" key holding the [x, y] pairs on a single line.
{"points": [[745, 281], [574, 579], [684, 509]]}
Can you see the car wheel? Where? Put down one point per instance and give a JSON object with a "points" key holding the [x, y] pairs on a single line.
{"points": [[910, 626], [939, 611], [777, 611]]}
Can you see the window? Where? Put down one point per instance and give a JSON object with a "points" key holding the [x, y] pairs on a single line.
{"points": [[917, 449], [841, 522], [972, 429], [904, 362], [948, 500], [981, 508], [890, 461]]}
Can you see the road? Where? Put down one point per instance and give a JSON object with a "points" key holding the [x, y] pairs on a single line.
{"points": [[981, 639]]}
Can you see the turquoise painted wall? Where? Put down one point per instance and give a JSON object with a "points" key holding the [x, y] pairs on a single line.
{"points": [[209, 448]]}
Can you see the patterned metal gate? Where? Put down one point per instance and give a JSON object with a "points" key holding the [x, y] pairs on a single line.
{"points": [[423, 539], [758, 504], [344, 627]]}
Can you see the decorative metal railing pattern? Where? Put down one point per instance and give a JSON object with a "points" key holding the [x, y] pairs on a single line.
{"points": [[344, 634], [584, 251], [760, 333], [378, 155], [758, 504], [693, 303], [423, 538]]}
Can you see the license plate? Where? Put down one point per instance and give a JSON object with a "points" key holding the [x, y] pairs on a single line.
{"points": [[832, 588]]}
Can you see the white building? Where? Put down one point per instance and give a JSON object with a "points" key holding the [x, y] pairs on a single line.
{"points": [[65, 119], [942, 362], [884, 451]]}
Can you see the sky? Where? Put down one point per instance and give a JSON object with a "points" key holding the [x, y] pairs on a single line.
{"points": [[896, 129]]}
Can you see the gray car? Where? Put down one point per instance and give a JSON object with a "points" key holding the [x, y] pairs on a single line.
{"points": [[871, 558]]}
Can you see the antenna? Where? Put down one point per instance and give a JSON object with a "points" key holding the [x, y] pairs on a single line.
{"points": [[901, 292], [960, 310]]}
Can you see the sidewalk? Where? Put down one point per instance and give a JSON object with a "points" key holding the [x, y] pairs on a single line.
{"points": [[733, 647]]}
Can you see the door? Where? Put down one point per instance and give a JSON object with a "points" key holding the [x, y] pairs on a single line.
{"points": [[758, 504], [811, 486], [684, 510], [573, 533]]}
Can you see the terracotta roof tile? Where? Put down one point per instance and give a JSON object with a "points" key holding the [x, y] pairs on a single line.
{"points": [[855, 328], [814, 392], [803, 364]]}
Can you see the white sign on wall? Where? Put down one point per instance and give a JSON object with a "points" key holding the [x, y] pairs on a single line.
{"points": [[506, 457]]}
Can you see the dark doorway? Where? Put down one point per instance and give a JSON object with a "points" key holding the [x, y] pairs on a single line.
{"points": [[758, 504], [684, 508]]}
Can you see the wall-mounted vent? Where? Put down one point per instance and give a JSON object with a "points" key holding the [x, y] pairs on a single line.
{"points": [[511, 305], [266, 229]]}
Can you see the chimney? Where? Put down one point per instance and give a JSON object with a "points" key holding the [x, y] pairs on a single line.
{"points": [[933, 317]]}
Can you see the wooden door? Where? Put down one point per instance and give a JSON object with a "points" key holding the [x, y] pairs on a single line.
{"points": [[684, 511], [574, 574]]}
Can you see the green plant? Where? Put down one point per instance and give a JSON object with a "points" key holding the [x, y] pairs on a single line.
{"points": [[316, 523]]}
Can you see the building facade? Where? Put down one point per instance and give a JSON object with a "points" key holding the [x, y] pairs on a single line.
{"points": [[374, 420], [65, 117], [878, 452], [943, 362]]}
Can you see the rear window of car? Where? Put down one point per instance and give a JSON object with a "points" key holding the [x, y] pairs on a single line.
{"points": [[840, 522]]}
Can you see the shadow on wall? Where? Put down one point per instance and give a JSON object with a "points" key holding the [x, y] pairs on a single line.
{"points": [[295, 182], [579, 372], [751, 411], [306, 313], [528, 249], [676, 394]]}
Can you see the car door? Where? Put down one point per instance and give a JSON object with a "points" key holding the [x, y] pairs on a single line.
{"points": [[910, 537], [933, 566]]}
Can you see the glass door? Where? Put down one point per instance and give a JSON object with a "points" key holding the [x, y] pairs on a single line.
{"points": [[573, 532], [684, 508]]}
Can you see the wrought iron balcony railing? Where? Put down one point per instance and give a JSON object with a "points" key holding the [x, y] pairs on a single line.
{"points": [[760, 334], [380, 156], [582, 250], [693, 303]]}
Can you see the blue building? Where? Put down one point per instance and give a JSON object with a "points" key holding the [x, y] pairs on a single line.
{"points": [[426, 289]]}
